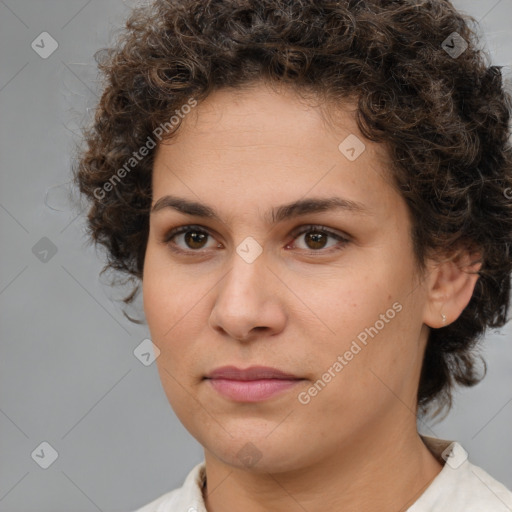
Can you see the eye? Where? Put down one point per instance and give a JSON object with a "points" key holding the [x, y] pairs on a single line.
{"points": [[189, 239], [317, 238]]}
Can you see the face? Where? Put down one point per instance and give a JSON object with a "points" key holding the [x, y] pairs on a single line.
{"points": [[328, 295]]}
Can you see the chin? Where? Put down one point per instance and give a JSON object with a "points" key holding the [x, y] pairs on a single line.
{"points": [[258, 454]]}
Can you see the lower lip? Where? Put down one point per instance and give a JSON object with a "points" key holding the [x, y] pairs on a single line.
{"points": [[251, 390]]}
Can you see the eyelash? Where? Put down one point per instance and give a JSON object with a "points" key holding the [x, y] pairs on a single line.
{"points": [[296, 233]]}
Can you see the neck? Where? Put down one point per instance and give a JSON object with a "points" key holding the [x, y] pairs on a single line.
{"points": [[373, 473]]}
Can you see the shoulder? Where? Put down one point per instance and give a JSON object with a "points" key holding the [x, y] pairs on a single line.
{"points": [[461, 486], [187, 498]]}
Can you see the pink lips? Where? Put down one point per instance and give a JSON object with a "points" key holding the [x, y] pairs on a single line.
{"points": [[252, 384]]}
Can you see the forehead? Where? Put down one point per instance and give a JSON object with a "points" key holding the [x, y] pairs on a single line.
{"points": [[261, 143], [259, 109]]}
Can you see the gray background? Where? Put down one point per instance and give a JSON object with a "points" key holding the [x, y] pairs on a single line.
{"points": [[68, 375]]}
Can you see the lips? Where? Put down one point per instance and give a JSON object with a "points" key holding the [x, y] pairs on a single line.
{"points": [[252, 373], [253, 384]]}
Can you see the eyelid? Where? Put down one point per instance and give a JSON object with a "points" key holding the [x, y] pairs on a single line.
{"points": [[342, 239], [183, 229], [319, 227]]}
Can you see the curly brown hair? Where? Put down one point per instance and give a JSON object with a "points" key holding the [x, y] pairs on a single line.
{"points": [[422, 85]]}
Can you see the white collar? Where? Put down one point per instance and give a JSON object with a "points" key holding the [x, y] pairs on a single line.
{"points": [[459, 487]]}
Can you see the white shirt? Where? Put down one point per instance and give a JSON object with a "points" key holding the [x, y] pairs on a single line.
{"points": [[459, 487]]}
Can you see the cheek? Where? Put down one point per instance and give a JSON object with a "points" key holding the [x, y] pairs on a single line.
{"points": [[174, 306], [168, 297], [368, 320], [345, 303], [155, 302]]}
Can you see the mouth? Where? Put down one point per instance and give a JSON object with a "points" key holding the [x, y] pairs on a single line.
{"points": [[252, 384]]}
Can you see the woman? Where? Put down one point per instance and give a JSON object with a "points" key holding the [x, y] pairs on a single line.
{"points": [[314, 198]]}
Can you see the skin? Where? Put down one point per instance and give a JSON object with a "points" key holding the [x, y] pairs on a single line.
{"points": [[297, 307]]}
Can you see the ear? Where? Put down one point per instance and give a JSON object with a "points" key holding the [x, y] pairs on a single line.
{"points": [[450, 284]]}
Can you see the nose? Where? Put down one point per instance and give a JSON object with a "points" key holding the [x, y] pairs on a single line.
{"points": [[249, 302]]}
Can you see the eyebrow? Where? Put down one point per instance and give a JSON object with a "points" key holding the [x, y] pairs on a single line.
{"points": [[277, 214]]}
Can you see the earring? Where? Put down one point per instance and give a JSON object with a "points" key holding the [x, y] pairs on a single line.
{"points": [[443, 316]]}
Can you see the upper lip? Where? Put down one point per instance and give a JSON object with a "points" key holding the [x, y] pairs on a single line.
{"points": [[251, 373]]}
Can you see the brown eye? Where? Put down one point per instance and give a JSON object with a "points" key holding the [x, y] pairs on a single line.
{"points": [[189, 239], [195, 239], [316, 238]]}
